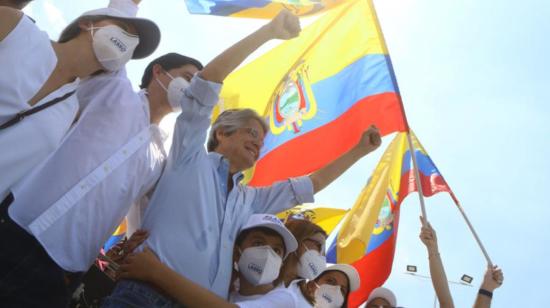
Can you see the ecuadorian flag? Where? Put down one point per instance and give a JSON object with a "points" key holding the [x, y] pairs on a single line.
{"points": [[319, 92], [259, 8], [369, 232]]}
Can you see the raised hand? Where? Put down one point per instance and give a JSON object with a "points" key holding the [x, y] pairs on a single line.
{"points": [[428, 237], [493, 278], [370, 140], [284, 26]]}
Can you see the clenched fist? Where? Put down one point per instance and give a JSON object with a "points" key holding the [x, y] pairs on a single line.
{"points": [[370, 140], [284, 26]]}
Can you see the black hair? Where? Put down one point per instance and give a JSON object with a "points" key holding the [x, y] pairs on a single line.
{"points": [[268, 231], [168, 61]]}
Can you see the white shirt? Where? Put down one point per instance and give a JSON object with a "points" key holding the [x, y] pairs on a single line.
{"points": [[48, 204], [27, 60], [290, 297], [235, 297]]}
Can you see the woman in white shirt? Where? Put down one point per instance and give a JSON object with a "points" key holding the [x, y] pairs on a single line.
{"points": [[37, 71]]}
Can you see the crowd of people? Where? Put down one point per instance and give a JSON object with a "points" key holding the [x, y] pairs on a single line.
{"points": [[81, 150]]}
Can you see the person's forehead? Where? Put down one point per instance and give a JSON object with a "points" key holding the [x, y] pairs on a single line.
{"points": [[254, 123], [255, 234], [186, 68], [126, 26], [340, 277], [186, 71]]}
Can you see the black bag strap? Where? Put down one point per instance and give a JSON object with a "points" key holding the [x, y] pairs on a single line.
{"points": [[21, 115]]}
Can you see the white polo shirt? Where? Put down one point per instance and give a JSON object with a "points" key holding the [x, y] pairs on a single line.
{"points": [[27, 59], [74, 201], [290, 297]]}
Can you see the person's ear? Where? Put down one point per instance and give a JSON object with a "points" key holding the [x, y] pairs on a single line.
{"points": [[157, 70], [85, 24]]}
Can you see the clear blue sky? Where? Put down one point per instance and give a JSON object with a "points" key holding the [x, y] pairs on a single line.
{"points": [[474, 77]]}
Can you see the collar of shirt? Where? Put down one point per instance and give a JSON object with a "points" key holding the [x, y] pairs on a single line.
{"points": [[223, 170]]}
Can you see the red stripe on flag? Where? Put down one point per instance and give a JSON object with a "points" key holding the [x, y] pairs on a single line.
{"points": [[431, 185], [374, 268], [315, 149]]}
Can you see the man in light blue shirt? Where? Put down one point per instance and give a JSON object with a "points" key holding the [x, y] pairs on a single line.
{"points": [[199, 205]]}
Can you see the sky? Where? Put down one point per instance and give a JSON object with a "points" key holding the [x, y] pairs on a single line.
{"points": [[474, 77]]}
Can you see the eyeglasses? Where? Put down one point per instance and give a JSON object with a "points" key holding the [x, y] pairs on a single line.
{"points": [[254, 133]]}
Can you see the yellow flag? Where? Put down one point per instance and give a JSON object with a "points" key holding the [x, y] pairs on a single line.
{"points": [[353, 237]]}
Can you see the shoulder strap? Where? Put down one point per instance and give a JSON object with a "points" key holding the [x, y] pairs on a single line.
{"points": [[88, 182], [21, 115]]}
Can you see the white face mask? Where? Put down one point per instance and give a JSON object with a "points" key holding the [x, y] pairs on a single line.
{"points": [[311, 264], [175, 91], [327, 296], [260, 265], [113, 47]]}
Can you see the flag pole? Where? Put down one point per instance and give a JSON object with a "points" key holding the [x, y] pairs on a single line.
{"points": [[417, 177], [407, 129], [474, 233]]}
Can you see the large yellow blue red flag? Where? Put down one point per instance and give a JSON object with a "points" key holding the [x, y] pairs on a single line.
{"points": [[319, 92], [259, 8], [368, 234]]}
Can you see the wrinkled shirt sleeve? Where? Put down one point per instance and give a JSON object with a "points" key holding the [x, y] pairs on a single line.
{"points": [[283, 195], [192, 124]]}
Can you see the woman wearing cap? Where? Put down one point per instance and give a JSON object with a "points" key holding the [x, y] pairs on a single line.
{"points": [[37, 105], [42, 78], [308, 261]]}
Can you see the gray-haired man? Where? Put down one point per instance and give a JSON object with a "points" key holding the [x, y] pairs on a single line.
{"points": [[199, 205]]}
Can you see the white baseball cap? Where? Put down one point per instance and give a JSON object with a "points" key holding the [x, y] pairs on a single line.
{"points": [[384, 293], [274, 223], [148, 31], [349, 271]]}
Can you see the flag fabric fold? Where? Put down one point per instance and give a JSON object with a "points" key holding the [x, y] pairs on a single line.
{"points": [[368, 234], [318, 92]]}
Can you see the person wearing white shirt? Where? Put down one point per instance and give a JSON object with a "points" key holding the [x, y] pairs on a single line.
{"points": [[47, 226], [154, 87]]}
